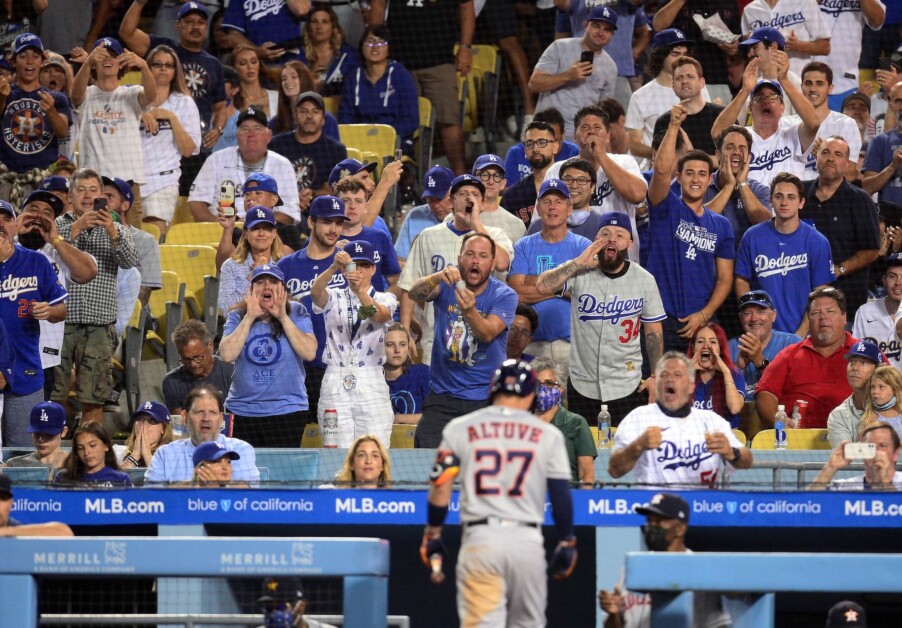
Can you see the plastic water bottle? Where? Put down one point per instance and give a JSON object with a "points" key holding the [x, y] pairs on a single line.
{"points": [[604, 428], [330, 428], [178, 426], [780, 421]]}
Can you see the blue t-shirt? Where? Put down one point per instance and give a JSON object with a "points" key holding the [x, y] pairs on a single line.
{"points": [[683, 249], [417, 219], [344, 63], [28, 139], [203, 75], [409, 390], [786, 266], [879, 156], [26, 278], [778, 341], [269, 376], [462, 365], [261, 22], [704, 396], [517, 167], [734, 210], [533, 256], [300, 273], [107, 476], [312, 162], [582, 222]]}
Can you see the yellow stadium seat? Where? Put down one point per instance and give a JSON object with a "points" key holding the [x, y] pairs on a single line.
{"points": [[167, 306], [795, 439], [479, 92], [332, 103], [377, 138], [402, 436], [182, 213], [194, 233], [152, 229], [424, 137], [353, 153], [740, 435], [313, 437], [196, 266]]}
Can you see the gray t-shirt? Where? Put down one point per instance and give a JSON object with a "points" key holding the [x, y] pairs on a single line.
{"points": [[148, 258], [179, 382]]}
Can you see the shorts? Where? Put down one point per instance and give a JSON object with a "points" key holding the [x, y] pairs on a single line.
{"points": [[90, 349], [499, 18], [436, 83], [161, 204]]}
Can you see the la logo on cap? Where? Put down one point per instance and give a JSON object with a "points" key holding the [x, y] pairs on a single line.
{"points": [[44, 416], [265, 267], [430, 183], [861, 346], [358, 248], [260, 214], [148, 405], [344, 173], [679, 34], [606, 12], [335, 205], [552, 183]]}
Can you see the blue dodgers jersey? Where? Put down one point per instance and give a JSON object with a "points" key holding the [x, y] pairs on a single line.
{"points": [[300, 273], [408, 392], [533, 256], [684, 247], [786, 266], [462, 365], [26, 278]]}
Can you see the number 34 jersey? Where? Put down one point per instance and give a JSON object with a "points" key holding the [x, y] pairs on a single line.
{"points": [[506, 458], [606, 317]]}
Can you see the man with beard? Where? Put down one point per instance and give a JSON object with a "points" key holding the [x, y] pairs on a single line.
{"points": [[785, 256], [666, 525], [688, 82], [612, 299], [437, 247], [227, 169], [33, 294], [693, 247], [671, 443], [540, 146], [37, 231], [847, 216], [327, 216], [861, 362], [472, 313], [760, 343], [311, 152], [535, 254], [813, 370]]}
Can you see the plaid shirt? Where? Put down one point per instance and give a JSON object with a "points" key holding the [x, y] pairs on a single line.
{"points": [[94, 303]]}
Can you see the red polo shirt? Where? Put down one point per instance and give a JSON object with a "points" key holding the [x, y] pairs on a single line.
{"points": [[800, 372]]}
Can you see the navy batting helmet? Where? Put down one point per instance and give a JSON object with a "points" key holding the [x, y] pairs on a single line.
{"points": [[514, 378]]}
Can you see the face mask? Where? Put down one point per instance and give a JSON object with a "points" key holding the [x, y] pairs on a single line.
{"points": [[886, 406], [547, 398], [655, 538]]}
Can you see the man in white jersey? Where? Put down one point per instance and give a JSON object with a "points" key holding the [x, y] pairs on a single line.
{"points": [[670, 443], [774, 148], [876, 320], [507, 459]]}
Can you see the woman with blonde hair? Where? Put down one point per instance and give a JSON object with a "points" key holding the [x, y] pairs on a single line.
{"points": [[884, 399], [259, 244], [367, 464], [151, 429], [326, 52]]}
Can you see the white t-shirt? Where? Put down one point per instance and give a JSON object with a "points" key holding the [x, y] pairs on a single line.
{"points": [[162, 159], [857, 483], [835, 123], [803, 17], [776, 154], [110, 139], [226, 165], [367, 346], [845, 20]]}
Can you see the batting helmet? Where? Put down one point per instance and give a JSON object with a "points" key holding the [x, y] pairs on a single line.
{"points": [[514, 378]]}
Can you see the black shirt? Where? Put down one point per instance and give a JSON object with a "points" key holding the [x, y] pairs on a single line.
{"points": [[697, 126], [520, 199], [179, 382], [312, 162], [423, 32]]}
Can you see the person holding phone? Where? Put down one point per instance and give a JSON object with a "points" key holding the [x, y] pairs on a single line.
{"points": [[575, 71], [879, 461]]}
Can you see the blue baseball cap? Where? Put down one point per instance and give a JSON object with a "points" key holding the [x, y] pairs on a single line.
{"points": [[361, 251], [670, 37], [193, 7], [5, 206], [487, 161], [268, 270], [865, 349], [327, 207], [756, 297], [616, 219], [55, 202], [47, 417], [893, 260], [155, 410], [262, 182], [603, 14], [257, 215], [112, 44], [774, 85], [767, 35], [54, 183], [437, 182], [124, 189], [212, 451], [552, 186], [467, 179], [25, 41], [348, 168]]}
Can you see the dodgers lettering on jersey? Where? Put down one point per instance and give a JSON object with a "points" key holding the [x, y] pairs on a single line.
{"points": [[689, 454], [768, 161], [892, 349], [834, 7], [258, 9], [590, 308], [779, 21], [11, 287], [766, 266]]}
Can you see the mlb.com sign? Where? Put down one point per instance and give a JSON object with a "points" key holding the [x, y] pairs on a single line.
{"points": [[118, 506]]}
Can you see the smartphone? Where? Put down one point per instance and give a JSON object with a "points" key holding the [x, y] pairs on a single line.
{"points": [[227, 198], [587, 56], [100, 204], [860, 451], [398, 154]]}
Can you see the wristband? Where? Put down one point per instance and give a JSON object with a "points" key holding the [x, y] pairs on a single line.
{"points": [[432, 282], [467, 46], [737, 455], [436, 515], [131, 459], [55, 242]]}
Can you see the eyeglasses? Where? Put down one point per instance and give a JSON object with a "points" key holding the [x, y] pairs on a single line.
{"points": [[156, 65], [540, 143], [521, 332], [577, 180], [375, 43], [762, 98], [497, 177], [551, 383], [197, 359]]}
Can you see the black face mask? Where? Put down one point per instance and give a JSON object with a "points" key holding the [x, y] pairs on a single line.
{"points": [[32, 239], [655, 538]]}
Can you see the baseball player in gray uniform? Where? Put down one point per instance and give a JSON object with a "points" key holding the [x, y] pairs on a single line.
{"points": [[507, 459], [613, 300]]}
